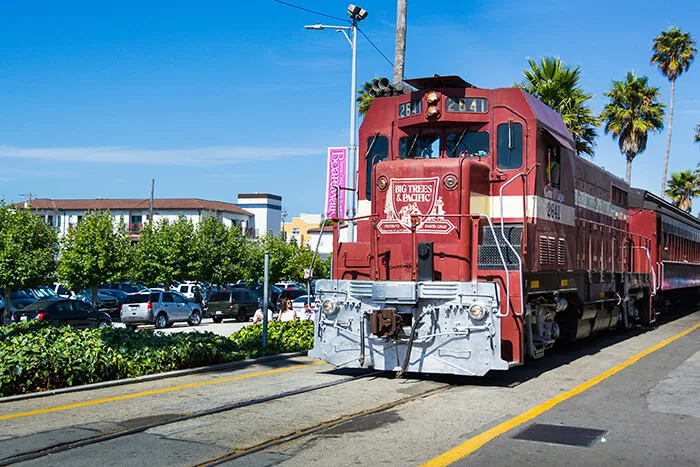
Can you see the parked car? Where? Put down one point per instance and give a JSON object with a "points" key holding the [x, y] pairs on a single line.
{"points": [[61, 290], [64, 310], [20, 298], [160, 308], [105, 302], [235, 303], [298, 305], [289, 293], [120, 295], [127, 287], [287, 285], [41, 292], [188, 290]]}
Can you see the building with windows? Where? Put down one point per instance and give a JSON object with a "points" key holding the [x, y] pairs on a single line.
{"points": [[66, 213], [325, 247], [266, 210], [298, 228]]}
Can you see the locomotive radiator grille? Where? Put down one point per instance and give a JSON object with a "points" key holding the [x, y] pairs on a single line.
{"points": [[489, 257]]}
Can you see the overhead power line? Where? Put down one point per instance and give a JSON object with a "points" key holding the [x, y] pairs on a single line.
{"points": [[376, 48], [345, 20]]}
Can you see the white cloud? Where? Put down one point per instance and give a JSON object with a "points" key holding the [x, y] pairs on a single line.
{"points": [[188, 157]]}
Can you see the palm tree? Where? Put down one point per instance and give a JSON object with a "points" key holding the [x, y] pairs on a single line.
{"points": [[400, 56], [557, 85], [633, 111], [673, 51], [682, 187], [697, 133], [364, 98]]}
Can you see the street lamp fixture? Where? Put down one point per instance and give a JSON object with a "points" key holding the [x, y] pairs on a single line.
{"points": [[356, 14]]}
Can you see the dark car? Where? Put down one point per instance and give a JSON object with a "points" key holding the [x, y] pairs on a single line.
{"points": [[127, 287], [20, 299], [120, 295], [64, 310], [105, 302], [236, 303], [289, 293]]}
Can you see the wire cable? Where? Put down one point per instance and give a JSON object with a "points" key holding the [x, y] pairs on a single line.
{"points": [[312, 11], [375, 47]]}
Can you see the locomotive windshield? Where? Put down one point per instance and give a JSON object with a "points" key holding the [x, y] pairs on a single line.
{"points": [[465, 143], [421, 146]]}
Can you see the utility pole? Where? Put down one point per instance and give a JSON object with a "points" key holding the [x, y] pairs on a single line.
{"points": [[150, 202], [400, 57]]}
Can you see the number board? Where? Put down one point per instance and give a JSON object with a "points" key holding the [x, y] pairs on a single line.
{"points": [[466, 104], [410, 108]]}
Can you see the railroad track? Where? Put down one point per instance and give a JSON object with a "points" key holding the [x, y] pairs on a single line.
{"points": [[58, 448]]}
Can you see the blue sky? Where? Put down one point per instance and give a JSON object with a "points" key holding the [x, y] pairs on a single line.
{"points": [[216, 98]]}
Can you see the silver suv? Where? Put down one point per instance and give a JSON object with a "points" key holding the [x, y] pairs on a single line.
{"points": [[159, 308]]}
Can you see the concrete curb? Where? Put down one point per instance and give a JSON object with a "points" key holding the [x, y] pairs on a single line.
{"points": [[155, 377]]}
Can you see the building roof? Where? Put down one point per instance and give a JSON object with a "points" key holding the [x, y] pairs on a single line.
{"points": [[259, 196], [326, 230], [161, 204]]}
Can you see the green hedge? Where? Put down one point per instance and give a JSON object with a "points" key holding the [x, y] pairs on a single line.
{"points": [[39, 356]]}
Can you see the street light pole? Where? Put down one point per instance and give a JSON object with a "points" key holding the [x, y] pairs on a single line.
{"points": [[352, 150], [356, 15]]}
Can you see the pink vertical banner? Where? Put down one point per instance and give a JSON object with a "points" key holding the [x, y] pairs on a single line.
{"points": [[336, 175]]}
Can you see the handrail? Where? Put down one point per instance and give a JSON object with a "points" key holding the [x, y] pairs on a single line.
{"points": [[500, 254], [510, 245], [651, 268]]}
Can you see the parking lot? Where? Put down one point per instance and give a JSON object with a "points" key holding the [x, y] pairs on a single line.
{"points": [[225, 328]]}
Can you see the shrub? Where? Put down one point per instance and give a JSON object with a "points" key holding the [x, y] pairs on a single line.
{"points": [[40, 356]]}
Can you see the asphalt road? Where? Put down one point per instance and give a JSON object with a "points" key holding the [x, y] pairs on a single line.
{"points": [[647, 411]]}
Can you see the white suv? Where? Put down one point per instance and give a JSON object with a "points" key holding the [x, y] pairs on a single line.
{"points": [[159, 308], [188, 290]]}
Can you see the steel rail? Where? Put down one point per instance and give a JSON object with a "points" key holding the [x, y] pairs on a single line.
{"points": [[319, 428], [132, 431]]}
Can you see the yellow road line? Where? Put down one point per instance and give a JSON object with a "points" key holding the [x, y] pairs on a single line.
{"points": [[472, 444], [155, 391]]}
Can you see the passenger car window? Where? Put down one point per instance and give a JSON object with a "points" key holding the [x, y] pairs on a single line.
{"points": [[167, 298], [183, 289], [510, 145], [237, 296], [377, 150], [178, 299], [80, 306], [63, 307]]}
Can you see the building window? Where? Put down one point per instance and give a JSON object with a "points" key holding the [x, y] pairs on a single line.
{"points": [[295, 231], [510, 145], [49, 220]]}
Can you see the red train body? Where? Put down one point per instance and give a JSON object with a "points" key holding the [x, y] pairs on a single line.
{"points": [[482, 238]]}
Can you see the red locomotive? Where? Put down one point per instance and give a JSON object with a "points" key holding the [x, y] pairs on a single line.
{"points": [[482, 238]]}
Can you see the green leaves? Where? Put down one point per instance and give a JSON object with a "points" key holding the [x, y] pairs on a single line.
{"points": [[95, 251], [39, 355], [673, 51], [557, 85], [28, 247]]}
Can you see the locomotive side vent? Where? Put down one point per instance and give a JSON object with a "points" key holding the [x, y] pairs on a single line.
{"points": [[561, 253], [548, 250], [489, 258]]}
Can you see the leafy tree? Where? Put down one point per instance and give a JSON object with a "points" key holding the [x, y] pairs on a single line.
{"points": [[28, 247], [673, 51], [165, 253], [633, 111], [210, 244], [683, 186], [557, 85], [96, 251]]}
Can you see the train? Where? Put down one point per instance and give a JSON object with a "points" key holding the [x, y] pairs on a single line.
{"points": [[483, 238]]}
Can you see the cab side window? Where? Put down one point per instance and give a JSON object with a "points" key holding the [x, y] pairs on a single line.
{"points": [[554, 166], [377, 150], [510, 145]]}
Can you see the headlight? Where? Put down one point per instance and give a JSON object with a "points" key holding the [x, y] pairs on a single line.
{"points": [[329, 306], [477, 312]]}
